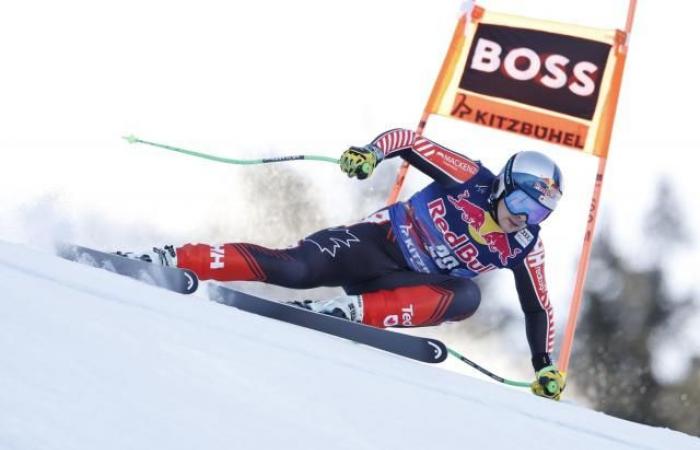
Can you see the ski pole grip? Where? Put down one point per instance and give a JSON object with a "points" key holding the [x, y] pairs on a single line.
{"points": [[552, 387]]}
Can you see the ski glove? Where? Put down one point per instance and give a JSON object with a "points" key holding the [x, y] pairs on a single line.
{"points": [[360, 161], [549, 383]]}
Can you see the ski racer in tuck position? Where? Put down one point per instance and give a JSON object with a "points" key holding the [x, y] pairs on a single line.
{"points": [[411, 264]]}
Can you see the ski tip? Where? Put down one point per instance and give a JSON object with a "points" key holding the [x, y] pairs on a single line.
{"points": [[131, 139], [439, 350], [192, 281], [64, 249]]}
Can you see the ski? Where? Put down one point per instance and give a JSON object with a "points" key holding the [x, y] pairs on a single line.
{"points": [[178, 280], [414, 347]]}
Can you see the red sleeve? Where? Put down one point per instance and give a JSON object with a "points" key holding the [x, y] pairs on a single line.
{"points": [[441, 164]]}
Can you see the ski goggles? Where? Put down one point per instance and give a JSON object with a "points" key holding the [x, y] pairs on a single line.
{"points": [[518, 202]]}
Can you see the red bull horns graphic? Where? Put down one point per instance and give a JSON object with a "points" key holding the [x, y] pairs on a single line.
{"points": [[483, 228]]}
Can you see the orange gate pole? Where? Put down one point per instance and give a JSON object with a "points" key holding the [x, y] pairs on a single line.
{"points": [[438, 87], [602, 146]]}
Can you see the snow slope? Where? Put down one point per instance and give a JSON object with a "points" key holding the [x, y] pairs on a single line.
{"points": [[92, 360]]}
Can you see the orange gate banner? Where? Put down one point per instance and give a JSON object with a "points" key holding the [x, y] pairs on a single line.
{"points": [[541, 79]]}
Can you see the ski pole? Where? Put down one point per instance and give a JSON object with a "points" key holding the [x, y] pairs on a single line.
{"points": [[134, 140], [486, 372]]}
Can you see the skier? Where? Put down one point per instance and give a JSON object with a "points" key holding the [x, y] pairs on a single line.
{"points": [[411, 264]]}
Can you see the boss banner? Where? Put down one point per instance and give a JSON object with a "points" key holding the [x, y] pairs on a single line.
{"points": [[541, 79]]}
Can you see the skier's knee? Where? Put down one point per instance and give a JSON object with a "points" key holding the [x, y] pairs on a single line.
{"points": [[300, 276], [467, 297]]}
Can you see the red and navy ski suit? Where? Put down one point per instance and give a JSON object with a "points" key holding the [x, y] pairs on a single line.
{"points": [[412, 262]]}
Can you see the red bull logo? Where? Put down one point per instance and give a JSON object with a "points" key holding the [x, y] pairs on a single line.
{"points": [[460, 244], [471, 213], [483, 228], [547, 187]]}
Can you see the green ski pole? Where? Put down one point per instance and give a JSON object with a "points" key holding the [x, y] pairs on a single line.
{"points": [[134, 140], [486, 372]]}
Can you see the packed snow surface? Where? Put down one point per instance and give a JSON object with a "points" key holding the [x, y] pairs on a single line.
{"points": [[92, 360]]}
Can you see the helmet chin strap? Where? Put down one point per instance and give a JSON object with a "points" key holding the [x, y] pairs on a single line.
{"points": [[493, 200], [493, 208]]}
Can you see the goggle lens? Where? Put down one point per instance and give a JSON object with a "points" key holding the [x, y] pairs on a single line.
{"points": [[518, 202]]}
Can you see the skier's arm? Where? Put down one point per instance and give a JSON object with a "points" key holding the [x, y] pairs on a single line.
{"points": [[534, 301], [446, 167], [539, 322]]}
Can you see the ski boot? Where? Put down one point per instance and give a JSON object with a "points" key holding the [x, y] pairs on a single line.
{"points": [[348, 307], [165, 256]]}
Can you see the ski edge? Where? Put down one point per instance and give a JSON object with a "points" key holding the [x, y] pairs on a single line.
{"points": [[77, 253], [421, 349]]}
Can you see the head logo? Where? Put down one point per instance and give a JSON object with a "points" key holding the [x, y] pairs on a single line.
{"points": [[191, 284], [438, 353]]}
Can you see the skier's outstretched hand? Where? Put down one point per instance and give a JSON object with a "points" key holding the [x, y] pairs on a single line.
{"points": [[549, 383], [359, 161]]}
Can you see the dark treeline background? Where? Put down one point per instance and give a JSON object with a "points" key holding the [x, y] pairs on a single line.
{"points": [[629, 317]]}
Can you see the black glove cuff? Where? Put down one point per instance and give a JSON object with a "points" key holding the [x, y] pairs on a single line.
{"points": [[378, 152], [541, 360]]}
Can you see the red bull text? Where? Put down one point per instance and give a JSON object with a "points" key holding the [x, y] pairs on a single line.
{"points": [[481, 227], [463, 249]]}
